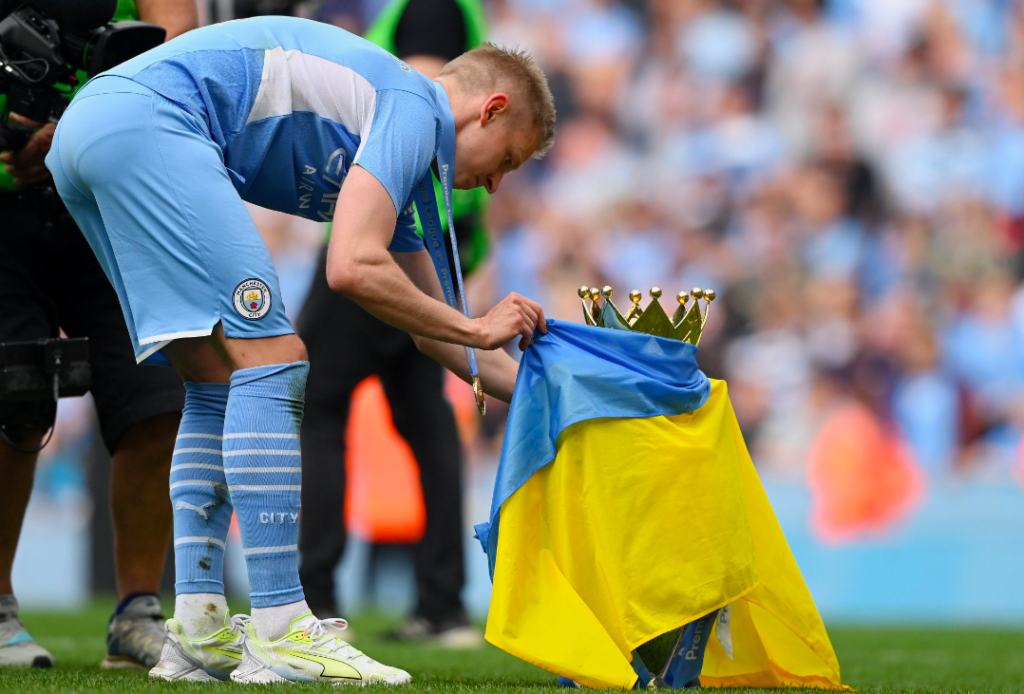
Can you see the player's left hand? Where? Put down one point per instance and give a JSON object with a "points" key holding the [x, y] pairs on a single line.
{"points": [[28, 164]]}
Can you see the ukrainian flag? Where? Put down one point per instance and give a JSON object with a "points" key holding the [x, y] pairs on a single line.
{"points": [[626, 506]]}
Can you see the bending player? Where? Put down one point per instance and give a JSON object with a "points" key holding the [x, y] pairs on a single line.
{"points": [[303, 118]]}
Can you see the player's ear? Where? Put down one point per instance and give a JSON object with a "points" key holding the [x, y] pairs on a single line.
{"points": [[492, 107]]}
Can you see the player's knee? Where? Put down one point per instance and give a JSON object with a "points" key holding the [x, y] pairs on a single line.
{"points": [[196, 360], [286, 349], [246, 353]]}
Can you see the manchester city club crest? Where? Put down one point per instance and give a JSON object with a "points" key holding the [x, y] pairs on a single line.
{"points": [[252, 299]]}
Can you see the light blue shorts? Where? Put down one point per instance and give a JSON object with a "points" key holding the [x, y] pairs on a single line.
{"points": [[148, 187]]}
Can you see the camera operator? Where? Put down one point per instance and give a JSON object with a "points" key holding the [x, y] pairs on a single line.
{"points": [[50, 281]]}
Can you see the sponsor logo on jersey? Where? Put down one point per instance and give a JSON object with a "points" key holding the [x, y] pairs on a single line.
{"points": [[252, 299], [326, 182]]}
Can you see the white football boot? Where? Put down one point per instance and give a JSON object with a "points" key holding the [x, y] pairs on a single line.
{"points": [[201, 660], [312, 651]]}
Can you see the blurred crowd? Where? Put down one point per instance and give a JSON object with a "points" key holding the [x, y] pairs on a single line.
{"points": [[848, 175]]}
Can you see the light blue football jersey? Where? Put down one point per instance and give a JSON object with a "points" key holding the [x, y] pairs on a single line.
{"points": [[293, 104]]}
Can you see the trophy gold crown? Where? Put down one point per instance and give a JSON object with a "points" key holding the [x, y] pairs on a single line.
{"points": [[686, 323]]}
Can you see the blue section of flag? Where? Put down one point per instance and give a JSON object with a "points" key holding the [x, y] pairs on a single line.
{"points": [[575, 373]]}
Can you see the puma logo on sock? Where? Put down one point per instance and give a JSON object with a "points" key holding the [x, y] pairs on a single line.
{"points": [[201, 510]]}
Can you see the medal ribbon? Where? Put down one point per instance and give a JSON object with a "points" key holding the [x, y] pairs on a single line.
{"points": [[430, 218]]}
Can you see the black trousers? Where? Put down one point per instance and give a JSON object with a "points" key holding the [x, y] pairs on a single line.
{"points": [[346, 344], [50, 281]]}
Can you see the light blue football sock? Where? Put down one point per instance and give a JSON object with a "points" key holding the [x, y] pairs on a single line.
{"points": [[199, 491], [264, 474]]}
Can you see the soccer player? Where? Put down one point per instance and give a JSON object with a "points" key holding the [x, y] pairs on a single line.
{"points": [[154, 159], [346, 344]]}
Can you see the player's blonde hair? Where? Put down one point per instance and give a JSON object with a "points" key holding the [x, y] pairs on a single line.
{"points": [[489, 67]]}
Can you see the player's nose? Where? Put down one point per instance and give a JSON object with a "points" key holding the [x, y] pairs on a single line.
{"points": [[492, 182]]}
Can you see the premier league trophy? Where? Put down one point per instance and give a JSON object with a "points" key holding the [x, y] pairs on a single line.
{"points": [[686, 324], [674, 659], [630, 542]]}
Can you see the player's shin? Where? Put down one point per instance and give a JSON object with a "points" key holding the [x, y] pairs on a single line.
{"points": [[261, 457], [202, 510]]}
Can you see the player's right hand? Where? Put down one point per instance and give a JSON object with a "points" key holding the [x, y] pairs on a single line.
{"points": [[514, 316]]}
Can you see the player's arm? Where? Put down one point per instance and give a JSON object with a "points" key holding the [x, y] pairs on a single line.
{"points": [[360, 266], [497, 369], [176, 16]]}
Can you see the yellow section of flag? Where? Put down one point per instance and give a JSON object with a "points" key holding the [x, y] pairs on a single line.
{"points": [[638, 527]]}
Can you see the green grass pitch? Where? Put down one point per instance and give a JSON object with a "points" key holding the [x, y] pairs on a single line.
{"points": [[873, 660]]}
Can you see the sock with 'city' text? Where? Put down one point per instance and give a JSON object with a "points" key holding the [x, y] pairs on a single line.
{"points": [[264, 475]]}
